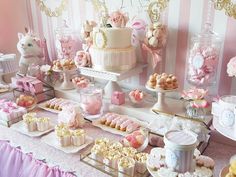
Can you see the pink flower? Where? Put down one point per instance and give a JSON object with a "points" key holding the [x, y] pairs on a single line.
{"points": [[194, 94], [118, 19], [83, 59], [231, 67], [136, 95], [199, 104]]}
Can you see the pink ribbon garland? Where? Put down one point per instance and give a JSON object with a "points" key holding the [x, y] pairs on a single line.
{"points": [[156, 54]]}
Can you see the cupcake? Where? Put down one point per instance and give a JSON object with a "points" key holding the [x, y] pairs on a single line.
{"points": [[129, 152], [117, 146], [78, 137], [42, 124], [97, 153], [126, 167], [102, 141], [63, 135], [111, 160], [29, 120], [140, 162]]}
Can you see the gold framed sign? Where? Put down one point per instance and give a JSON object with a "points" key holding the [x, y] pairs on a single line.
{"points": [[227, 5]]}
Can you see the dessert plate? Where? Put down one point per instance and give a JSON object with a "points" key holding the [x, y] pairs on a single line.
{"points": [[97, 123], [224, 171], [19, 127], [43, 106], [51, 140]]}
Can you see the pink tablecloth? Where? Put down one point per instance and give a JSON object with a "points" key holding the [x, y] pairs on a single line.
{"points": [[15, 163]]}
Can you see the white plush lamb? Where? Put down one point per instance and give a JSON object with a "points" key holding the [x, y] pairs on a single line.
{"points": [[31, 52]]}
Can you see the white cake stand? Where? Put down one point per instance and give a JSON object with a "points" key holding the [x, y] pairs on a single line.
{"points": [[67, 83], [162, 105], [112, 77]]}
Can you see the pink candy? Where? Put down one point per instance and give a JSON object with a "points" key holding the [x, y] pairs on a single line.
{"points": [[202, 64], [93, 107], [67, 46]]}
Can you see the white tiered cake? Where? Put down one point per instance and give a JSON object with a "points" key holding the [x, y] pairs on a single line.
{"points": [[112, 49]]}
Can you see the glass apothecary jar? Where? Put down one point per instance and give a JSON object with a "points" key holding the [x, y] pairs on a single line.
{"points": [[203, 58], [91, 102], [67, 42]]}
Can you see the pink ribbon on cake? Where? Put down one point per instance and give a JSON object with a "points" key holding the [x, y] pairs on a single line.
{"points": [[156, 54]]}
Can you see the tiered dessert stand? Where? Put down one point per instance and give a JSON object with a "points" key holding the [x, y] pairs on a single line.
{"points": [[112, 77], [165, 105], [66, 84]]}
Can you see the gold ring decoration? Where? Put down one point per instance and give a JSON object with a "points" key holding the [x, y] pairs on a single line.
{"points": [[227, 5], [100, 39], [155, 8], [52, 13]]}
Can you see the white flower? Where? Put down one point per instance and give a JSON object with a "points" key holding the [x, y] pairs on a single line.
{"points": [[231, 67], [45, 68]]}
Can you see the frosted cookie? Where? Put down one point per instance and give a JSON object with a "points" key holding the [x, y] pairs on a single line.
{"points": [[140, 162], [158, 152], [155, 163], [205, 161], [203, 172], [187, 174], [166, 172]]}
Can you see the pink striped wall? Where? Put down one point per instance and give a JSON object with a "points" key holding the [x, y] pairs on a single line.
{"points": [[190, 11], [182, 41]]}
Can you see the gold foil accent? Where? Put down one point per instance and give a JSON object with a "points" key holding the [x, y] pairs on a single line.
{"points": [[52, 13], [227, 5], [155, 8], [104, 38]]}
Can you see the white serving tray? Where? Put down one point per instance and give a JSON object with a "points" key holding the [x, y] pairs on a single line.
{"points": [[42, 106], [97, 123], [19, 127], [226, 131], [51, 140]]}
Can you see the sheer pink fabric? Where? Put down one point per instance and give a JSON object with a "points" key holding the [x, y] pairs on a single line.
{"points": [[14, 163]]}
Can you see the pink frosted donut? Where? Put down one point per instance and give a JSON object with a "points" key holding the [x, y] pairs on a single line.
{"points": [[124, 125], [114, 121], [119, 122], [110, 119], [131, 127]]}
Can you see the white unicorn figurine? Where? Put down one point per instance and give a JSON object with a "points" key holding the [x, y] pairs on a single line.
{"points": [[31, 50]]}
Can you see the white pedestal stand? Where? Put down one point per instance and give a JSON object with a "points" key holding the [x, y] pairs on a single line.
{"points": [[164, 105], [66, 84], [9, 69], [112, 77]]}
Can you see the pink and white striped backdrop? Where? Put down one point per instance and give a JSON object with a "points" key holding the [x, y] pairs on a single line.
{"points": [[184, 18]]}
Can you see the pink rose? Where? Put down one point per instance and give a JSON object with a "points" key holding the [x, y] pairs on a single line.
{"points": [[118, 19], [83, 59], [194, 94]]}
